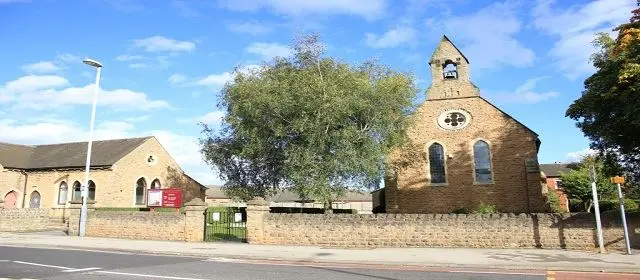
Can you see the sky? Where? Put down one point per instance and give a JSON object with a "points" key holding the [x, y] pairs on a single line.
{"points": [[165, 61]]}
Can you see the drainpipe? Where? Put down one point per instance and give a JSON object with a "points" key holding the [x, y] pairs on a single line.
{"points": [[24, 191]]}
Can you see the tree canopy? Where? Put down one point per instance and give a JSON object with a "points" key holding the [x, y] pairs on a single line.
{"points": [[308, 122], [577, 183], [609, 108]]}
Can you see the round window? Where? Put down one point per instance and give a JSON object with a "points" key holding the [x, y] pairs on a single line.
{"points": [[454, 119], [151, 160]]}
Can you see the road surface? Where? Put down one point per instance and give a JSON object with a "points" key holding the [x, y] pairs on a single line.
{"points": [[32, 263]]}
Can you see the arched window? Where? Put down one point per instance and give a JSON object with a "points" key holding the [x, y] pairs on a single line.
{"points": [[436, 164], [77, 193], [92, 190], [63, 192], [482, 162], [156, 184], [141, 186], [34, 200], [449, 70]]}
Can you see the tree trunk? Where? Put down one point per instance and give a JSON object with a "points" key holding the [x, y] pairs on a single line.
{"points": [[588, 206]]}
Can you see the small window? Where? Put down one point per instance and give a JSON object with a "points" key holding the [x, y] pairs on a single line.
{"points": [[63, 192], [77, 191], [156, 184], [141, 186], [482, 162], [436, 164], [558, 184], [92, 190], [34, 200]]}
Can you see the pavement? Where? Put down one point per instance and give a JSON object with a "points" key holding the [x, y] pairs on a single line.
{"points": [[451, 258]]}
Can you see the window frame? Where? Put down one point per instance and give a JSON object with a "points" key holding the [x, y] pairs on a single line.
{"points": [[473, 162], [144, 192], [66, 195], [444, 162]]}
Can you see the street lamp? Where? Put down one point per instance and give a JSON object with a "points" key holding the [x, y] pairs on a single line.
{"points": [[85, 190]]}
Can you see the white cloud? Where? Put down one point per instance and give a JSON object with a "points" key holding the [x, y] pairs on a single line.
{"points": [[126, 57], [163, 44], [40, 67], [251, 28], [215, 80], [138, 66], [369, 9], [268, 50], [177, 78], [211, 118], [42, 92], [68, 58], [525, 93], [575, 28], [487, 37], [138, 119], [578, 155], [392, 38]]}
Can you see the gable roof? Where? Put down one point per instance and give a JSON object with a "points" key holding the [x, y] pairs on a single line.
{"points": [[555, 169], [446, 39], [67, 155]]}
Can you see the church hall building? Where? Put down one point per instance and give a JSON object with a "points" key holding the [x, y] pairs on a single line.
{"points": [[469, 151]]}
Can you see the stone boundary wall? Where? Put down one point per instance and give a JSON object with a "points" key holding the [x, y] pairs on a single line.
{"points": [[188, 226], [24, 219], [552, 231], [137, 225]]}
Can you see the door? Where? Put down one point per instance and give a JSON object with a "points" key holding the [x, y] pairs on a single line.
{"points": [[10, 200]]}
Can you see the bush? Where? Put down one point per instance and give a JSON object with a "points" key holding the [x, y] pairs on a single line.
{"points": [[554, 202], [612, 205], [485, 209]]}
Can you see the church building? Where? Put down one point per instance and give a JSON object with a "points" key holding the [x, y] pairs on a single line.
{"points": [[469, 152]]}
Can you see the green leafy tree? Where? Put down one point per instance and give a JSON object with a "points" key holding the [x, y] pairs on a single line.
{"points": [[608, 110], [308, 122], [577, 183]]}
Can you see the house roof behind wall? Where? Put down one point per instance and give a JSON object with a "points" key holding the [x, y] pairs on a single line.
{"points": [[67, 155]]}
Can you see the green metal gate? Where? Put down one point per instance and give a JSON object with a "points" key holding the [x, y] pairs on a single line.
{"points": [[226, 224]]}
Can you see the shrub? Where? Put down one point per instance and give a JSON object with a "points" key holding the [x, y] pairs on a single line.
{"points": [[554, 202], [614, 206], [485, 209]]}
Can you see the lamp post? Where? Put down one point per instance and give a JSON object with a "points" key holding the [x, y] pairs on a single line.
{"points": [[85, 183]]}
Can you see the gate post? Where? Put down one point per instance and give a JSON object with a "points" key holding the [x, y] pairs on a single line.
{"points": [[194, 220], [74, 216], [257, 208]]}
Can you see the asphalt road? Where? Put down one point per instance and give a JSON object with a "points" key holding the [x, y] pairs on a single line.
{"points": [[31, 263]]}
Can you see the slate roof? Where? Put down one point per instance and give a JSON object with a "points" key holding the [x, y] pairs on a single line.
{"points": [[555, 169], [214, 191], [67, 155]]}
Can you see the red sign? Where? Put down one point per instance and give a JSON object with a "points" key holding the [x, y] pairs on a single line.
{"points": [[172, 198]]}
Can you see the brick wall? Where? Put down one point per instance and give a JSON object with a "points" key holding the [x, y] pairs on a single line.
{"points": [[23, 219], [571, 231]]}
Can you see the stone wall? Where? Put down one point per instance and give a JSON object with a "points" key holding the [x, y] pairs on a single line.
{"points": [[187, 226], [551, 231], [23, 219]]}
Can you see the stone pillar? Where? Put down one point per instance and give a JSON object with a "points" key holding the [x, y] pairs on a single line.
{"points": [[74, 216], [194, 220], [257, 208]]}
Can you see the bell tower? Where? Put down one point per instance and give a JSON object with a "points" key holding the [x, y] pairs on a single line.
{"points": [[449, 73]]}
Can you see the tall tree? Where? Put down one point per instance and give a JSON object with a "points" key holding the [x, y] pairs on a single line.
{"points": [[577, 183], [308, 122], [608, 110]]}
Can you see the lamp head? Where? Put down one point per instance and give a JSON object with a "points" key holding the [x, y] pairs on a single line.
{"points": [[92, 62]]}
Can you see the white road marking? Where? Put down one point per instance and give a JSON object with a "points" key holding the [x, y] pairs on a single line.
{"points": [[496, 272], [44, 265], [147, 275], [226, 260], [82, 269]]}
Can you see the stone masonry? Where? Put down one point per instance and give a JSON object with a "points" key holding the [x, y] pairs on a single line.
{"points": [[511, 144], [548, 231], [23, 219]]}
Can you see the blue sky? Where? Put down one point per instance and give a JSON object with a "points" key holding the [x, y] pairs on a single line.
{"points": [[165, 61]]}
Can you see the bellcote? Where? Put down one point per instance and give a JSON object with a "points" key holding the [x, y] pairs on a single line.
{"points": [[449, 72]]}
